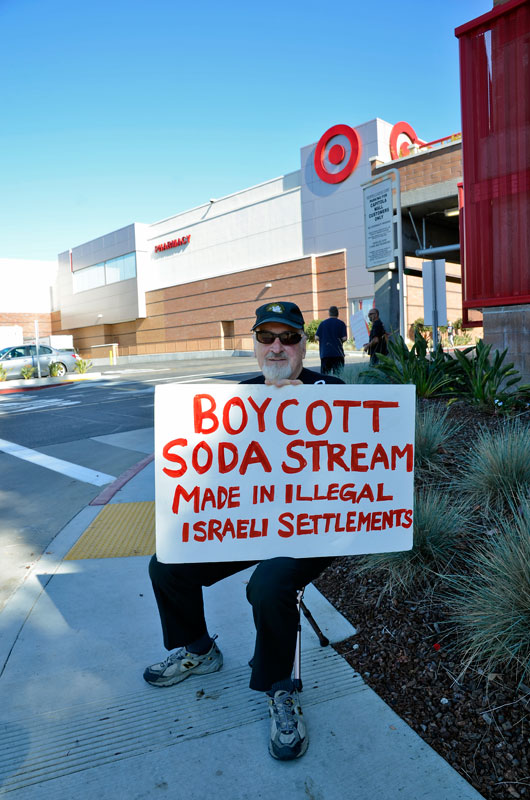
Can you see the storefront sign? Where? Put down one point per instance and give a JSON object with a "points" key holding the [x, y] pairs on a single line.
{"points": [[378, 224], [173, 243], [253, 472], [336, 155], [402, 136]]}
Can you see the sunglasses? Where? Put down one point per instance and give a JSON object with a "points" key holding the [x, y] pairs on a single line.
{"points": [[286, 337]]}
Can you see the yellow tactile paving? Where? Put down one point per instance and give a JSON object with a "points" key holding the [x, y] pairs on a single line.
{"points": [[119, 530]]}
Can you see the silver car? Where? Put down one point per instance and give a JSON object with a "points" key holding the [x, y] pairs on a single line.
{"points": [[13, 359]]}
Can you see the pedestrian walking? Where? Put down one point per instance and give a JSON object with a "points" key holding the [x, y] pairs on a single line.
{"points": [[330, 335]]}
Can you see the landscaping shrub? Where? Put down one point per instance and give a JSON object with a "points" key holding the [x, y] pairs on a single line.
{"points": [[359, 373], [310, 329], [55, 369], [82, 366], [491, 608], [499, 466], [433, 431], [439, 524], [27, 372], [3, 373], [486, 382], [433, 374]]}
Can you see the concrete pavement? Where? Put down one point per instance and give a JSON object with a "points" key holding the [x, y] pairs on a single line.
{"points": [[78, 719]]}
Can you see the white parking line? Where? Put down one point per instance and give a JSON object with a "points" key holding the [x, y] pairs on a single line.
{"points": [[187, 378], [16, 406], [56, 464], [130, 370]]}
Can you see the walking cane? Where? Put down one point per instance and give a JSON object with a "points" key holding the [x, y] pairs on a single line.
{"points": [[297, 670], [324, 641]]}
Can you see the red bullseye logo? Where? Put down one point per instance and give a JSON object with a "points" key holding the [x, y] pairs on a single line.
{"points": [[400, 133], [337, 155]]}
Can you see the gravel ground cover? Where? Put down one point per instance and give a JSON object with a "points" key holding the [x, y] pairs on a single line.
{"points": [[404, 649]]}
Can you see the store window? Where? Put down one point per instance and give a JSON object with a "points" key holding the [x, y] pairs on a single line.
{"points": [[89, 278], [114, 270], [120, 269]]}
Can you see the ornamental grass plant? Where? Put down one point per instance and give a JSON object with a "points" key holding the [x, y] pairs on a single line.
{"points": [[441, 523], [498, 469], [358, 373], [491, 606], [433, 431]]}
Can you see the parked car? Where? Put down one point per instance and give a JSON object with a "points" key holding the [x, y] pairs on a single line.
{"points": [[13, 359]]}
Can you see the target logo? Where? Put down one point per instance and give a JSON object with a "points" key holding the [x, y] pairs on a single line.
{"points": [[337, 153], [402, 136]]}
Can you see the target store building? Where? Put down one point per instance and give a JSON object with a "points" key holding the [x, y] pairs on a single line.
{"points": [[191, 282]]}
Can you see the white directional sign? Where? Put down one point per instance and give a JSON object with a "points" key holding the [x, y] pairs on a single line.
{"points": [[378, 224]]}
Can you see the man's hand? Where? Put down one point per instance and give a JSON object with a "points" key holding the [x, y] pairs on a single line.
{"points": [[282, 382]]}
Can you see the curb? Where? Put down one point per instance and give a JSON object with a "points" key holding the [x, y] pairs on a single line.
{"points": [[33, 384], [109, 491]]}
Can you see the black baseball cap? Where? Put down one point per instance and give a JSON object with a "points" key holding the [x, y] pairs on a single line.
{"points": [[279, 311]]}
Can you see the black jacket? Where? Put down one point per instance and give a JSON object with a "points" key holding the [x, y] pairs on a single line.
{"points": [[306, 376]]}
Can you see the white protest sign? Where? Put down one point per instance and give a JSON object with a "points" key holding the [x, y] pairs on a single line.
{"points": [[248, 472], [378, 224], [359, 329]]}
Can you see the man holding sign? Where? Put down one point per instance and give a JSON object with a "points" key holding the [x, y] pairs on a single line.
{"points": [[280, 347]]}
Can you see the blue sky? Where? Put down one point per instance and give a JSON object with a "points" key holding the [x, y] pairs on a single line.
{"points": [[120, 111]]}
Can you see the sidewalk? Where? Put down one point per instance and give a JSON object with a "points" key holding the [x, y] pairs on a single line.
{"points": [[79, 721]]}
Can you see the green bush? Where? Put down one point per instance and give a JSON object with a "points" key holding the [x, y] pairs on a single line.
{"points": [[499, 466], [439, 526], [55, 369], [27, 372], [3, 373], [433, 374], [486, 382], [491, 608], [310, 329], [82, 366]]}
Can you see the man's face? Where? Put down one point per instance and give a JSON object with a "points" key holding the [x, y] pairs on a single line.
{"points": [[373, 315], [277, 360]]}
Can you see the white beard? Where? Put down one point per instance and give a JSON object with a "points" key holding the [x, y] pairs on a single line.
{"points": [[276, 370]]}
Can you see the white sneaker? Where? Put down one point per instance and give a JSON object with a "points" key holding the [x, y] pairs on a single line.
{"points": [[288, 731], [180, 664]]}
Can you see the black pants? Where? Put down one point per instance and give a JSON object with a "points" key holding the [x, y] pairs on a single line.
{"points": [[271, 591], [331, 364]]}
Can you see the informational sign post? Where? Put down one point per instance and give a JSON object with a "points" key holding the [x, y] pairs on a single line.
{"points": [[248, 472], [434, 293], [378, 224]]}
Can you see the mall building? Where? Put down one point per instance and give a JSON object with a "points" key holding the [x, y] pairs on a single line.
{"points": [[191, 282]]}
